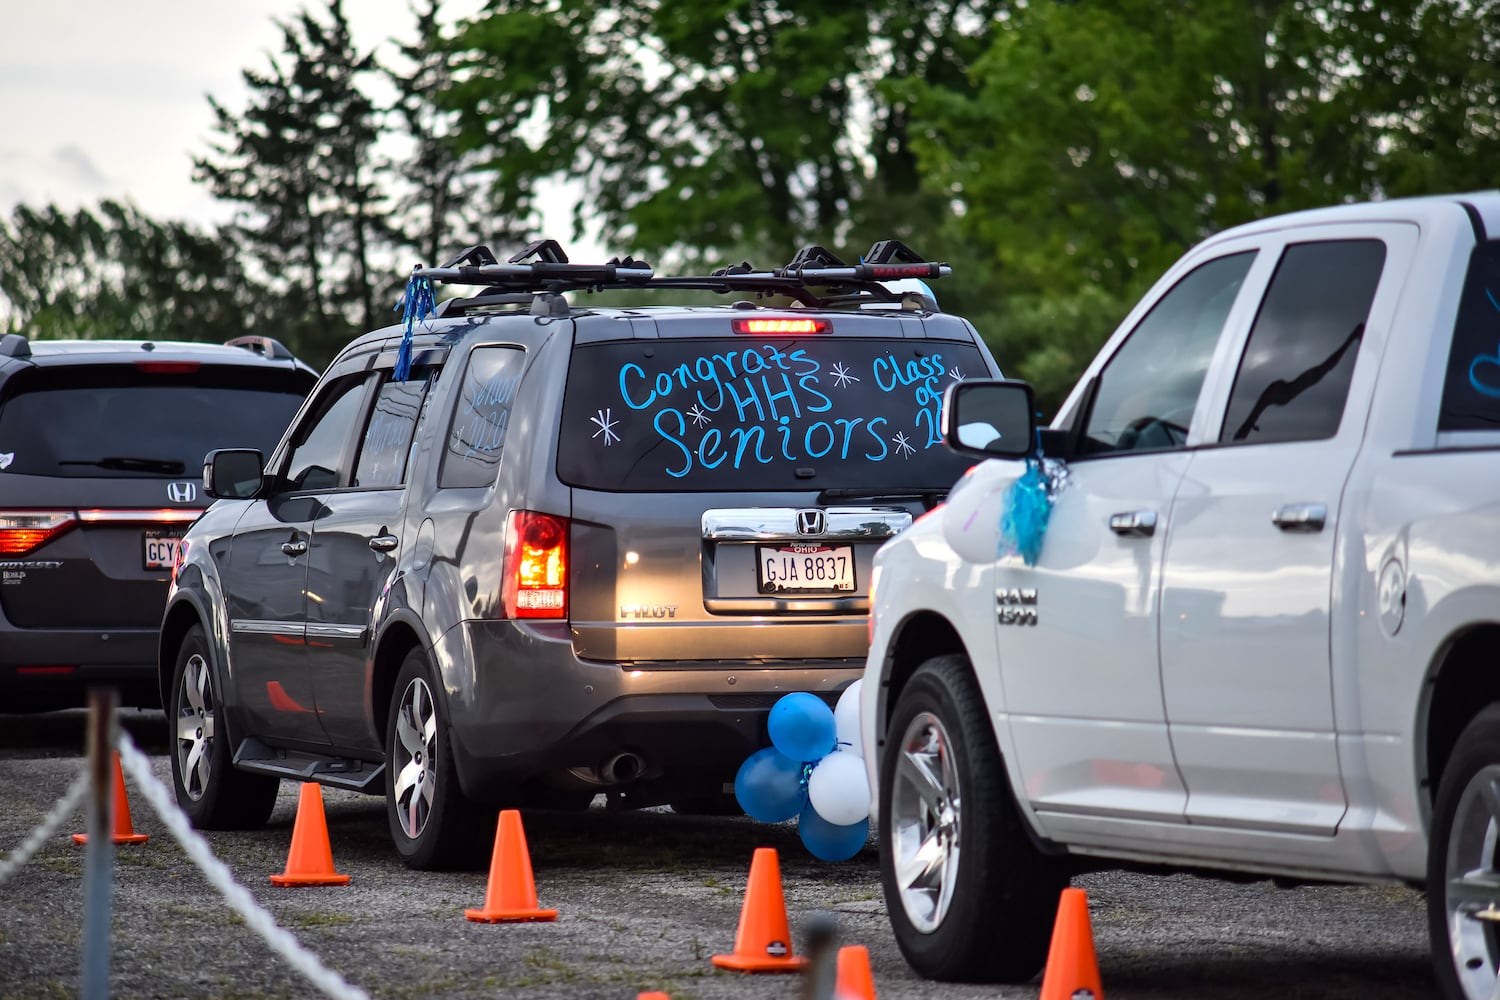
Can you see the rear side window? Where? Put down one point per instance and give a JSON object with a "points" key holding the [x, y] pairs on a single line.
{"points": [[1294, 377], [1471, 390], [387, 440], [124, 421], [477, 435], [800, 413]]}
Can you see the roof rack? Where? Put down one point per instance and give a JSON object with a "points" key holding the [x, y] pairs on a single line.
{"points": [[814, 266], [543, 268], [266, 347]]}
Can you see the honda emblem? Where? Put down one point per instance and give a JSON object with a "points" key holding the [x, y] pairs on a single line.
{"points": [[182, 492], [811, 522]]}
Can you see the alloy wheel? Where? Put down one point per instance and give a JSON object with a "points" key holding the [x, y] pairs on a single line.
{"points": [[412, 758], [1471, 890], [925, 822], [195, 727]]}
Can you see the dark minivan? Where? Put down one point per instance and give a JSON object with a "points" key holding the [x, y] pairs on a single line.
{"points": [[577, 548]]}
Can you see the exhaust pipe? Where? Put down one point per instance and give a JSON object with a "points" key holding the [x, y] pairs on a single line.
{"points": [[622, 768]]}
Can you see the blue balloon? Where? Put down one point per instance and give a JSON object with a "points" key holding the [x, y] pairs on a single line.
{"points": [[768, 786], [829, 842], [802, 726]]}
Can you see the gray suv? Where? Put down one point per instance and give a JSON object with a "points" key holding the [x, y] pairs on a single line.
{"points": [[101, 442], [579, 548]]}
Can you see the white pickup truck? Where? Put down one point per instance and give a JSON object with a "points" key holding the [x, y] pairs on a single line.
{"points": [[1262, 634]]}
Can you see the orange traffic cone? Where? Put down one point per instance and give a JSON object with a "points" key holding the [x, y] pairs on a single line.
{"points": [[124, 832], [1072, 971], [511, 894], [763, 942], [654, 995], [310, 861], [855, 980]]}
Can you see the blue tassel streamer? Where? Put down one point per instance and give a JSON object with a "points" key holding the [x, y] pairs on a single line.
{"points": [[418, 304], [1025, 510]]}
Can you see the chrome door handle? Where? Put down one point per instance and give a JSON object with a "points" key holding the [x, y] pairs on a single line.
{"points": [[295, 547], [1306, 518], [1134, 523], [383, 543]]}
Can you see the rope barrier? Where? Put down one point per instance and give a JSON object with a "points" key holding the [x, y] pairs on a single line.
{"points": [[237, 896], [61, 810]]}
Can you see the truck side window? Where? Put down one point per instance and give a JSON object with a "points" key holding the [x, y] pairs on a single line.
{"points": [[1149, 389], [1471, 389], [1298, 362]]}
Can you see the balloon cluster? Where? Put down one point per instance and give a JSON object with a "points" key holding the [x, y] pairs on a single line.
{"points": [[813, 771]]}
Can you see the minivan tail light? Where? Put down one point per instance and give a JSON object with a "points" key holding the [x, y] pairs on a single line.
{"points": [[24, 530], [169, 367], [780, 325], [536, 566]]}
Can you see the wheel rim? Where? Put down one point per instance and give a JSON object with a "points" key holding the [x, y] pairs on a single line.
{"points": [[195, 727], [412, 756], [1471, 892], [924, 818]]}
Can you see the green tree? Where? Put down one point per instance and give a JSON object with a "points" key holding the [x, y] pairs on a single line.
{"points": [[721, 129], [298, 161], [113, 272], [1094, 142]]}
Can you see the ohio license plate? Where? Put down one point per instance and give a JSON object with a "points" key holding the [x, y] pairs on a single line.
{"points": [[160, 547], [804, 567]]}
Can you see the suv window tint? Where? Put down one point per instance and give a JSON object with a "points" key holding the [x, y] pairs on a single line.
{"points": [[477, 433], [387, 439], [1295, 373], [318, 458], [119, 420], [1471, 390], [751, 415], [1149, 388]]}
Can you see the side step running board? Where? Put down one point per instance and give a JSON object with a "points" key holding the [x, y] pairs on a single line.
{"points": [[301, 765]]}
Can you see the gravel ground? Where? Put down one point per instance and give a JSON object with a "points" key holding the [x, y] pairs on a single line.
{"points": [[644, 900]]}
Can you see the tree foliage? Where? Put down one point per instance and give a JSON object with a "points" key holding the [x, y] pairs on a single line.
{"points": [[113, 272], [723, 127]]}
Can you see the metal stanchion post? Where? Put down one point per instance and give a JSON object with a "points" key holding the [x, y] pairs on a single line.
{"points": [[98, 871], [822, 957]]}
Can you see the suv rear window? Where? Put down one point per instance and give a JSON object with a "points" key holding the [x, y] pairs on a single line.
{"points": [[120, 421], [804, 413]]}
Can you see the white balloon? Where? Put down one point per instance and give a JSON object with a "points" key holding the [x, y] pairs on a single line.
{"points": [[846, 720], [839, 789]]}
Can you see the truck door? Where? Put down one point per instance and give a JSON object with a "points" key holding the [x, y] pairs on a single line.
{"points": [[1247, 587], [1080, 670]]}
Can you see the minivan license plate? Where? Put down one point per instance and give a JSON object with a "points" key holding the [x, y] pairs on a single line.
{"points": [[160, 548], [805, 567]]}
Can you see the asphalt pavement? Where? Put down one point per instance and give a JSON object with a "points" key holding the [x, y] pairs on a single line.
{"points": [[644, 900]]}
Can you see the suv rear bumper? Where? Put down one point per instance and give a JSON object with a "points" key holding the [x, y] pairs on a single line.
{"points": [[52, 667], [528, 705]]}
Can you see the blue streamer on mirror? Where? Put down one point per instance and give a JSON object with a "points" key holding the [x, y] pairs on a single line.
{"points": [[1024, 514]]}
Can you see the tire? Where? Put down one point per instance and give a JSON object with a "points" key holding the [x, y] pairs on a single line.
{"points": [[213, 793], [1462, 853], [433, 825], [983, 913]]}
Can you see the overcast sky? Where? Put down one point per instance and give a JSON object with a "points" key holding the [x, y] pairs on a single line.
{"points": [[110, 99]]}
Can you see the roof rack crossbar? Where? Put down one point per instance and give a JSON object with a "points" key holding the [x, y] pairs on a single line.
{"points": [[477, 255], [266, 347]]}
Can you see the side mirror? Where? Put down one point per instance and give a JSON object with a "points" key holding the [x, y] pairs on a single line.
{"points": [[233, 473], [990, 419]]}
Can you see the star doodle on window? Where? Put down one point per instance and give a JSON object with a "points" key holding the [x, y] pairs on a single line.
{"points": [[699, 416], [606, 426], [842, 376], [903, 444], [956, 374]]}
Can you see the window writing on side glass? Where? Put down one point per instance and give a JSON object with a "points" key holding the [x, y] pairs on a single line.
{"points": [[1299, 360], [476, 437], [1149, 389], [387, 439], [1471, 389]]}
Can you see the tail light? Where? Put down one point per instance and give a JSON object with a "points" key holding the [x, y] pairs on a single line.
{"points": [[774, 325], [22, 531], [536, 566]]}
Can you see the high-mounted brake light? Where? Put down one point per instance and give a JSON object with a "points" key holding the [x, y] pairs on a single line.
{"points": [[536, 566], [24, 530], [169, 367], [781, 325]]}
